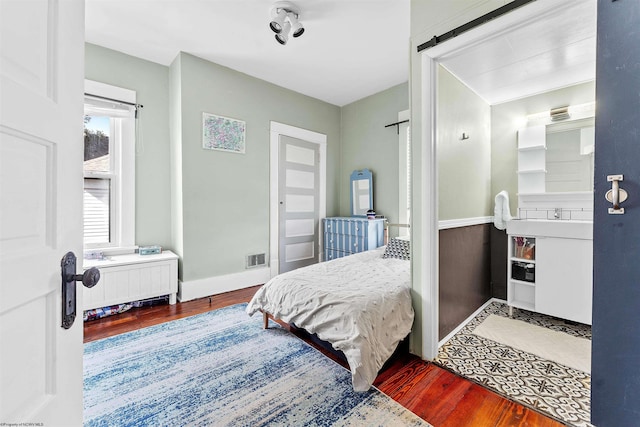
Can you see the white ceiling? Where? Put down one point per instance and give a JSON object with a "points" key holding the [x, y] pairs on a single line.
{"points": [[350, 49], [555, 49]]}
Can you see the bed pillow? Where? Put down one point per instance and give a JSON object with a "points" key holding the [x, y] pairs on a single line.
{"points": [[397, 248]]}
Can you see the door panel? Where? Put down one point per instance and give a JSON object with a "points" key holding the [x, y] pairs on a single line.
{"points": [[299, 201], [616, 238], [40, 207], [564, 288]]}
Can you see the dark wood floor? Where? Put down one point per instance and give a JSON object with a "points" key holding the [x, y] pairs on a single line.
{"points": [[435, 394]]}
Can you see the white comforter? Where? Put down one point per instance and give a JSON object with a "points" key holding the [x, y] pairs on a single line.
{"points": [[361, 304]]}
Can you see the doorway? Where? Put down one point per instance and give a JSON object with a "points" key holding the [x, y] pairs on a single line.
{"points": [[298, 194], [450, 55], [298, 180]]}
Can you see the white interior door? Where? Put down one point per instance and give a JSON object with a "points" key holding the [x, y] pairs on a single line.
{"points": [[41, 72], [299, 203]]}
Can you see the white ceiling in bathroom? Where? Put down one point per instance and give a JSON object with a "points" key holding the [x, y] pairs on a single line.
{"points": [[551, 52]]}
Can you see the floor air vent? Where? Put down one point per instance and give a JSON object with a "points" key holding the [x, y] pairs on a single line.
{"points": [[256, 260]]}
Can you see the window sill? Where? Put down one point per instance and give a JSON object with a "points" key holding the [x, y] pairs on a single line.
{"points": [[97, 253]]}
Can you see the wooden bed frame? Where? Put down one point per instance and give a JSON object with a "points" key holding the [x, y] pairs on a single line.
{"points": [[327, 349]]}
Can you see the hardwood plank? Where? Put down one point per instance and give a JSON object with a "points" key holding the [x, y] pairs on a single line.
{"points": [[138, 318], [437, 395]]}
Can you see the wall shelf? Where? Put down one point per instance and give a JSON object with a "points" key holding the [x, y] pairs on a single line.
{"points": [[531, 261], [533, 148], [522, 282], [532, 159], [533, 171]]}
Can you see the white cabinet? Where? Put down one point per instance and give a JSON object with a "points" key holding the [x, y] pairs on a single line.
{"points": [[554, 277], [564, 278], [132, 277]]}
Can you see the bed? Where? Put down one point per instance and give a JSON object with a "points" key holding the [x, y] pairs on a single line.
{"points": [[360, 304]]}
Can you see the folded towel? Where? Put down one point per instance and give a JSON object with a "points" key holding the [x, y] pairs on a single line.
{"points": [[501, 212]]}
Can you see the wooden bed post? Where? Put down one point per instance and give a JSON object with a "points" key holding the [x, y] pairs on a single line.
{"points": [[265, 320]]}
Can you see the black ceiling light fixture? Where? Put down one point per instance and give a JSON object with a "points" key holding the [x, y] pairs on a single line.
{"points": [[285, 20]]}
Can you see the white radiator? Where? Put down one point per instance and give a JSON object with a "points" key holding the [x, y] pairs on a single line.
{"points": [[132, 277]]}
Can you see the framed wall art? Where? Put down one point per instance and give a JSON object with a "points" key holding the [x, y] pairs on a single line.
{"points": [[223, 133]]}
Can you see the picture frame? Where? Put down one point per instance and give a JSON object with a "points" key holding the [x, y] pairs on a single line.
{"points": [[223, 133]]}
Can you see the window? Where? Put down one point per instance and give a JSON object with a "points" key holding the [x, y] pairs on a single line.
{"points": [[109, 162], [404, 190]]}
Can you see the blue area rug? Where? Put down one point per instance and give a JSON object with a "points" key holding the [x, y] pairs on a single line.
{"points": [[221, 368]]}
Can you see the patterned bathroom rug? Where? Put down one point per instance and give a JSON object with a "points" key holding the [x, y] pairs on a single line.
{"points": [[556, 390]]}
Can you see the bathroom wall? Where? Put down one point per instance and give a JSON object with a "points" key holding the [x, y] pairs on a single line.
{"points": [[464, 165], [508, 117], [465, 274], [464, 197]]}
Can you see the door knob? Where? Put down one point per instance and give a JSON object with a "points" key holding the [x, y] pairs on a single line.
{"points": [[69, 278], [89, 278]]}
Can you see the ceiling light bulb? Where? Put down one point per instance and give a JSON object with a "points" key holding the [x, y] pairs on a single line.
{"points": [[283, 37], [297, 27], [277, 22]]}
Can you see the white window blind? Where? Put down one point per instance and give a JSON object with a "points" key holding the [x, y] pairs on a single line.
{"points": [[404, 177], [97, 210], [408, 169], [104, 108]]}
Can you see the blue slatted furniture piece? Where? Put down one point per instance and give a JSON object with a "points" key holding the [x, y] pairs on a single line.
{"points": [[349, 235]]}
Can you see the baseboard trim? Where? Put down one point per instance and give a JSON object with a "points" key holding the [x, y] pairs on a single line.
{"points": [[201, 288], [467, 320]]}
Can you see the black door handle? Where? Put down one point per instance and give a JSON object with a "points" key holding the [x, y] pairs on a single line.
{"points": [[69, 278], [89, 278]]}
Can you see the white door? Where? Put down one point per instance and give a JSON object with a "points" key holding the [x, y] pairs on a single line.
{"points": [[41, 107], [299, 203]]}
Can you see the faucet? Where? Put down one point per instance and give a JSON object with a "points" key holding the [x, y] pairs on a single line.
{"points": [[556, 213]]}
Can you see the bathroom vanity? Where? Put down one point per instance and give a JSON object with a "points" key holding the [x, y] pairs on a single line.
{"points": [[550, 245], [549, 268]]}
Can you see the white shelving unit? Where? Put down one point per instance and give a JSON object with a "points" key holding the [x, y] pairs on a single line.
{"points": [[532, 159], [521, 266]]}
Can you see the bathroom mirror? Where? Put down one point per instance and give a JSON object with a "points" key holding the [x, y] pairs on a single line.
{"points": [[361, 192], [569, 156], [556, 156]]}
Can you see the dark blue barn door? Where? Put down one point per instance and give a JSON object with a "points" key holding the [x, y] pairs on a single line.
{"points": [[615, 380]]}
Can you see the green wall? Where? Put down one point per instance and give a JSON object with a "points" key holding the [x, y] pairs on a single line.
{"points": [[151, 83], [225, 196], [175, 127], [210, 207], [464, 166], [366, 143], [508, 117]]}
